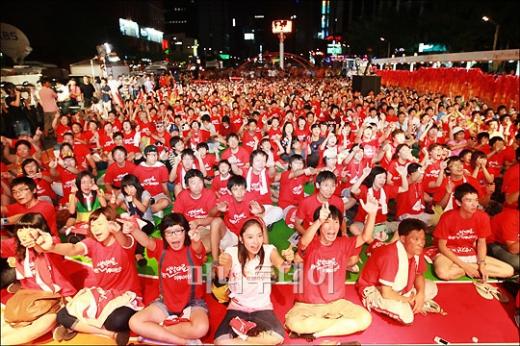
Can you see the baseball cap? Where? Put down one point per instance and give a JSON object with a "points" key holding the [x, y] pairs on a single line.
{"points": [[457, 129], [150, 149]]}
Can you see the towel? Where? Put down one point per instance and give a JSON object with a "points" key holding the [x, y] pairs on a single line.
{"points": [[382, 199], [264, 189]]}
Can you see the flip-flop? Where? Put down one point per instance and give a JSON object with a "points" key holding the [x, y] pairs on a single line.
{"points": [[498, 295], [433, 307], [483, 290]]}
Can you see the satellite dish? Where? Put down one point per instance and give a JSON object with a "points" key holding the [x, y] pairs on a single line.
{"points": [[14, 43]]}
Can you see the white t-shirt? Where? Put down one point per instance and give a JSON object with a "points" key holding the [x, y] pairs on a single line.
{"points": [[252, 292]]}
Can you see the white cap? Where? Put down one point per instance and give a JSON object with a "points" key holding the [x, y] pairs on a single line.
{"points": [[457, 129]]}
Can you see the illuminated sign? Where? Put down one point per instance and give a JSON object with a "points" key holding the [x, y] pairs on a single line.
{"points": [[282, 26], [151, 34], [334, 49], [128, 28], [249, 36], [432, 47]]}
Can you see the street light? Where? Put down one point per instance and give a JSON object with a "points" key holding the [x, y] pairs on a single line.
{"points": [[388, 46], [497, 27]]}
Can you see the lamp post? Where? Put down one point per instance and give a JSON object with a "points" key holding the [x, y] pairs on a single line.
{"points": [[281, 27], [497, 28], [388, 46]]}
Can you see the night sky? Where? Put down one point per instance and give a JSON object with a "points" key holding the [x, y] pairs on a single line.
{"points": [[62, 32]]}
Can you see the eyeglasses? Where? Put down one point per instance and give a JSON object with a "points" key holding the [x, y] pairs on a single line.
{"points": [[170, 233]]}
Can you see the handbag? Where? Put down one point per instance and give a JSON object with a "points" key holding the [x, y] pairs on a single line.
{"points": [[27, 305]]}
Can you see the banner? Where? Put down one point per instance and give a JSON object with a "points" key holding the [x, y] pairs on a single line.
{"points": [[495, 90]]}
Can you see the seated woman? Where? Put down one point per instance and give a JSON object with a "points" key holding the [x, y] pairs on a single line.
{"points": [[136, 201], [84, 198], [36, 270], [114, 278], [321, 309], [180, 313], [250, 319]]}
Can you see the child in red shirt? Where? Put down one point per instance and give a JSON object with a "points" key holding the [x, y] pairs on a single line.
{"points": [[233, 210], [180, 256]]}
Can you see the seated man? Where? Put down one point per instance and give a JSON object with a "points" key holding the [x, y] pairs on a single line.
{"points": [[23, 189], [195, 203], [321, 308], [461, 238], [392, 280], [503, 242], [153, 175]]}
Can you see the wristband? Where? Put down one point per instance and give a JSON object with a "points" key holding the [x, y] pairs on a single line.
{"points": [[479, 262]]}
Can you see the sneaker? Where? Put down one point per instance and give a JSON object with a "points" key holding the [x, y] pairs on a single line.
{"points": [[241, 327], [61, 333]]}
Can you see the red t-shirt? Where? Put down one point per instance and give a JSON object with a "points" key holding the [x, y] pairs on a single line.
{"points": [[441, 190], [176, 275], [8, 249], [106, 142], [309, 205], [390, 193], [68, 179], [431, 174], [60, 131], [237, 212], [113, 266], [392, 169], [462, 234], [209, 162], [241, 158], [371, 148], [511, 181], [115, 174], [43, 188], [411, 201], [324, 270], [496, 162], [382, 267], [505, 226], [219, 185], [255, 187], [195, 208], [291, 189], [248, 140], [354, 170], [153, 177], [43, 207]]}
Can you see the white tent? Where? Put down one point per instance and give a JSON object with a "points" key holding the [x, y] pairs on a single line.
{"points": [[91, 67]]}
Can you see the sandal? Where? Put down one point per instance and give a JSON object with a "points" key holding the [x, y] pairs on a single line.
{"points": [[433, 307], [483, 290], [498, 295], [490, 292]]}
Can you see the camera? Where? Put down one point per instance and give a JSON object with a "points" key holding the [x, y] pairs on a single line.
{"points": [[25, 87]]}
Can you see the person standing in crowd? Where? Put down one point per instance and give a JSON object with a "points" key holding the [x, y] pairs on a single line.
{"points": [[87, 91], [48, 102]]}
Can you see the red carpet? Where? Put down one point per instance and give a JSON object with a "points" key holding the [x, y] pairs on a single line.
{"points": [[469, 315]]}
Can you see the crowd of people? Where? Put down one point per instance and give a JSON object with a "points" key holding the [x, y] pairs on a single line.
{"points": [[178, 172]]}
